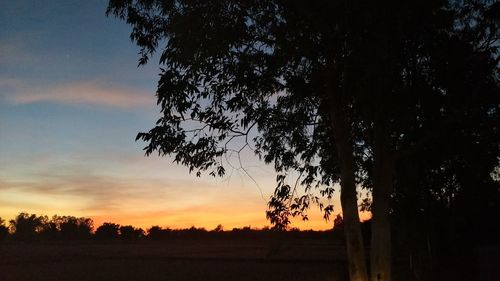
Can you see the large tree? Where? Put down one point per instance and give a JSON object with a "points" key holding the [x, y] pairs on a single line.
{"points": [[26, 227], [336, 91]]}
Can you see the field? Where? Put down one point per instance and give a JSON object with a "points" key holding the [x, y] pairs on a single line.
{"points": [[184, 260]]}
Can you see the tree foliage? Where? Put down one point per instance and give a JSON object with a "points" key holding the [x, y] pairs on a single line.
{"points": [[238, 74], [401, 97], [108, 231], [25, 227], [129, 232], [4, 230], [31, 227], [70, 227]]}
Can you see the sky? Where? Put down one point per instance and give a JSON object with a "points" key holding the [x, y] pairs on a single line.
{"points": [[72, 100]]}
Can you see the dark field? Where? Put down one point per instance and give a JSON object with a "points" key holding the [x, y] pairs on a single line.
{"points": [[222, 259], [212, 259]]}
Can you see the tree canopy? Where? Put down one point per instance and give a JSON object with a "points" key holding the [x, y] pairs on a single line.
{"points": [[257, 71], [399, 97]]}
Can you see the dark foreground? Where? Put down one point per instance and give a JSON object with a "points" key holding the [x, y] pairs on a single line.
{"points": [[174, 260], [213, 259]]}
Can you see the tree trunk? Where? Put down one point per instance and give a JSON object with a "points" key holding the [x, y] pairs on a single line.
{"points": [[380, 259], [348, 196]]}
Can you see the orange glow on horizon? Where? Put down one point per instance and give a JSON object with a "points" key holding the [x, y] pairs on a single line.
{"points": [[209, 221]]}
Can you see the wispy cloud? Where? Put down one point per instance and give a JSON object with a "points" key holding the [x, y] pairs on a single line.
{"points": [[93, 93], [103, 191], [129, 195]]}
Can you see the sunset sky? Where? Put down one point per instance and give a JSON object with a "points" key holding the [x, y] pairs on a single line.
{"points": [[72, 100]]}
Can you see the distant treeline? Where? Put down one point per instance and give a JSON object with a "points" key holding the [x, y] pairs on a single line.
{"points": [[31, 227]]}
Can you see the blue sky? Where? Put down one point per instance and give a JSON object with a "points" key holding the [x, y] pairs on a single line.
{"points": [[72, 100]]}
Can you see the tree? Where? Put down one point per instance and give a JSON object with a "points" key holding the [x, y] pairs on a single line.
{"points": [[4, 230], [129, 232], [219, 228], [26, 227], [157, 232], [85, 227], [338, 223], [108, 231], [233, 69], [336, 91], [51, 230], [71, 228]]}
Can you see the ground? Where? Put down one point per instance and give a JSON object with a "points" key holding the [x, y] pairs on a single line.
{"points": [[183, 260]]}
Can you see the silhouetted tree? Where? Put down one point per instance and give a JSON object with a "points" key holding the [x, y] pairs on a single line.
{"points": [[157, 232], [108, 231], [154, 232], [219, 228], [74, 228], [69, 227], [85, 227], [129, 232], [338, 223], [51, 230], [4, 230], [338, 91], [26, 227]]}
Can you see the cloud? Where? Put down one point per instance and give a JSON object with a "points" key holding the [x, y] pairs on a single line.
{"points": [[90, 93], [96, 190]]}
